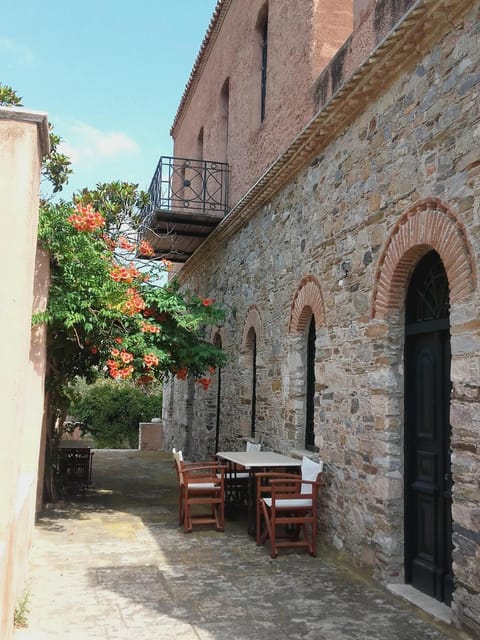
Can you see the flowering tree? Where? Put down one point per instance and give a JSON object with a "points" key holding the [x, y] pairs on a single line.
{"points": [[110, 311]]}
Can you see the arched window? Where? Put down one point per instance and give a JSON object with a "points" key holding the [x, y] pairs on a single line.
{"points": [[310, 388], [251, 337], [218, 343], [262, 28], [224, 117], [252, 343], [200, 144]]}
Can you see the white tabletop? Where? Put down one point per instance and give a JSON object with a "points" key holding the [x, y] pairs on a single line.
{"points": [[259, 459]]}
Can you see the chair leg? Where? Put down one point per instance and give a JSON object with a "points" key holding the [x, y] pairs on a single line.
{"points": [[187, 524], [269, 531], [309, 530], [221, 508], [258, 523], [314, 537], [262, 515], [181, 510]]}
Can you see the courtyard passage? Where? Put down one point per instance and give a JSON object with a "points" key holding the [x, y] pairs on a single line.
{"points": [[114, 565]]}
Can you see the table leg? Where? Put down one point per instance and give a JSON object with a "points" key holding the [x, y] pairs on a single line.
{"points": [[252, 505]]}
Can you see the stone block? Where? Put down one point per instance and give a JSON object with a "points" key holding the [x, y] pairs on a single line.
{"points": [[150, 436]]}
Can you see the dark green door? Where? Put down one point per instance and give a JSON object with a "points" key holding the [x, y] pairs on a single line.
{"points": [[428, 525]]}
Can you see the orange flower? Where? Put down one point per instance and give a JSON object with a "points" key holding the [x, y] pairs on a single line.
{"points": [[205, 382], [124, 274], [207, 302], [146, 327], [119, 340], [211, 369], [115, 353], [126, 357], [150, 360], [125, 373], [124, 243], [94, 350], [167, 264], [112, 368], [111, 244], [181, 374], [134, 303], [145, 379], [146, 249], [86, 219]]}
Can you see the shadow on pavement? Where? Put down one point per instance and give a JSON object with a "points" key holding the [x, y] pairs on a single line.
{"points": [[120, 567]]}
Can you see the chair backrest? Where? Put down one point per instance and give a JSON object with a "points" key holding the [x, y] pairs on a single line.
{"points": [[253, 446], [178, 454], [178, 459], [310, 472]]}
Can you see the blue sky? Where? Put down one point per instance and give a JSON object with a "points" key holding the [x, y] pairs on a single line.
{"points": [[109, 74]]}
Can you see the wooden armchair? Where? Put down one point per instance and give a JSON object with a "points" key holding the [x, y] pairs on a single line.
{"points": [[200, 484], [287, 508]]}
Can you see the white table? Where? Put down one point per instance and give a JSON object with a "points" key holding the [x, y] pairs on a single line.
{"points": [[259, 459], [255, 461]]}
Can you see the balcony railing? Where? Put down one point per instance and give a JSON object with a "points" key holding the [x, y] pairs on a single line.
{"points": [[182, 185]]}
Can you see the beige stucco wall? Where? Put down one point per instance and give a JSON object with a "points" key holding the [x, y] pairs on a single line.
{"points": [[293, 64], [23, 141]]}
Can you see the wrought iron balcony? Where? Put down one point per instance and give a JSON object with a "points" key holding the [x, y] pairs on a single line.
{"points": [[188, 198]]}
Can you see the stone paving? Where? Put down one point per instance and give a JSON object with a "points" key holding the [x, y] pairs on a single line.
{"points": [[114, 565]]}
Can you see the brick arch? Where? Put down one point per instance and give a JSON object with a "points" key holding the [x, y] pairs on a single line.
{"points": [[253, 320], [307, 300], [426, 225]]}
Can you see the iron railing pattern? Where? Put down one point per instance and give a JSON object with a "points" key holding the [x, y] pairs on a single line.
{"points": [[185, 185]]}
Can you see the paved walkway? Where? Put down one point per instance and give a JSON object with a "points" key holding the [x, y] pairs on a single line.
{"points": [[114, 565]]}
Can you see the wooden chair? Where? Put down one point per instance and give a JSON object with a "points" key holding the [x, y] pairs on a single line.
{"points": [[288, 502], [200, 484]]}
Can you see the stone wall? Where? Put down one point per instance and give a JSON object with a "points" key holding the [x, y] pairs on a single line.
{"points": [[403, 176]]}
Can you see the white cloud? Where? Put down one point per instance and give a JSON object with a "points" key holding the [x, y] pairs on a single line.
{"points": [[21, 52], [88, 145]]}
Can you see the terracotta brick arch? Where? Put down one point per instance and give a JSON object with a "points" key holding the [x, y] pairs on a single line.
{"points": [[308, 299], [426, 225], [252, 320]]}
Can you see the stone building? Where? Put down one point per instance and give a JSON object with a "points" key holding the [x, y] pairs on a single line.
{"points": [[346, 252]]}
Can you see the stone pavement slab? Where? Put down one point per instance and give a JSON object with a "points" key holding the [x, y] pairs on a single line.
{"points": [[114, 565]]}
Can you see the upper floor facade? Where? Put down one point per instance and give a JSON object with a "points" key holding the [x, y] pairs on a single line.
{"points": [[264, 70], [251, 89]]}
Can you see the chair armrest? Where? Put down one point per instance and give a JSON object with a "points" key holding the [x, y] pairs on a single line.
{"points": [[203, 470], [284, 478], [275, 474], [279, 489]]}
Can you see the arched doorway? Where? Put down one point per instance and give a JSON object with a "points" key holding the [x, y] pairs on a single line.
{"points": [[428, 522], [310, 388]]}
